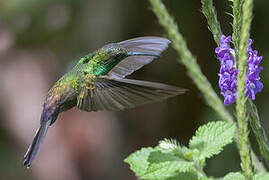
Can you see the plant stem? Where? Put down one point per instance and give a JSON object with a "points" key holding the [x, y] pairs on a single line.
{"points": [[211, 15], [237, 22], [186, 58], [244, 147], [253, 115], [200, 172], [209, 11]]}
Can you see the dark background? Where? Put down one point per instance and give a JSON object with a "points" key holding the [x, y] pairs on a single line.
{"points": [[41, 40]]}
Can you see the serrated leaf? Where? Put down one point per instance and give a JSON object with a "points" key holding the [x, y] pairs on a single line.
{"points": [[169, 145], [138, 161], [184, 176], [261, 176], [258, 130], [210, 139], [207, 178], [164, 165], [172, 147], [234, 176]]}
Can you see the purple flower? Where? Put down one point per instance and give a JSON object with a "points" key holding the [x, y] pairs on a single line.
{"points": [[228, 71]]}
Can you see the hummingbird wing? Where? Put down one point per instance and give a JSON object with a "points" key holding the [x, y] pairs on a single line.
{"points": [[153, 45], [121, 94]]}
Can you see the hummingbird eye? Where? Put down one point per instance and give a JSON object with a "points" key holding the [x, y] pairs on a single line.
{"points": [[85, 60]]}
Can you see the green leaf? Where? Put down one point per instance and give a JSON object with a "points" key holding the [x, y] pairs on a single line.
{"points": [[210, 139], [153, 163], [185, 176], [207, 178], [169, 145], [261, 176], [234, 176], [163, 165], [172, 146], [170, 161], [258, 130], [138, 161]]}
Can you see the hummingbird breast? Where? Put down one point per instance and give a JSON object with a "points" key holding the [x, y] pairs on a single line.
{"points": [[63, 94]]}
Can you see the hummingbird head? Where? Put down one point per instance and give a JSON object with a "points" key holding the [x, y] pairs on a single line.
{"points": [[116, 50]]}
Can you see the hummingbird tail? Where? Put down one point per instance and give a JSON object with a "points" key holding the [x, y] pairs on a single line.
{"points": [[34, 147]]}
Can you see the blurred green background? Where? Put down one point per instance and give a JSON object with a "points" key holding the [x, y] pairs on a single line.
{"points": [[41, 40]]}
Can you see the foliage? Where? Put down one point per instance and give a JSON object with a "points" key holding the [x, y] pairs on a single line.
{"points": [[171, 161]]}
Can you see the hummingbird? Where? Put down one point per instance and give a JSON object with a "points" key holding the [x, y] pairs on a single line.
{"points": [[97, 82]]}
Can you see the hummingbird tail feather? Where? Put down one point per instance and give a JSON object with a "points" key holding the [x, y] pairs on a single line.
{"points": [[34, 147], [121, 94], [153, 85]]}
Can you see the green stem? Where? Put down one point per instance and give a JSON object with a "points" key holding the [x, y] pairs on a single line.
{"points": [[244, 147], [211, 15], [186, 58], [200, 172], [252, 111], [237, 22]]}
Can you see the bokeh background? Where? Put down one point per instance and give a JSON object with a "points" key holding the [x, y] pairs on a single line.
{"points": [[41, 40]]}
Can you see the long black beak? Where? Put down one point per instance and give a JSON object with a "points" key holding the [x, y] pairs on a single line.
{"points": [[137, 53]]}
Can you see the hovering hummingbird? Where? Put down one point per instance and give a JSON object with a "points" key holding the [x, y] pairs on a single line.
{"points": [[97, 82]]}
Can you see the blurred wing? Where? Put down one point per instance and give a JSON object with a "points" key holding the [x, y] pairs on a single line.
{"points": [[130, 64], [121, 94]]}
